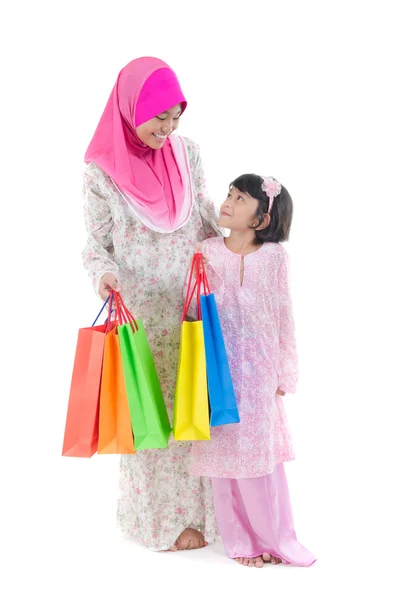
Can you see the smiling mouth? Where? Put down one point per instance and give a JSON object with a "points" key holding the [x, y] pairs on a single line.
{"points": [[160, 138], [225, 214]]}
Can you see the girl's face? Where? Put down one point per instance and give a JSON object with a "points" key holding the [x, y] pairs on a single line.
{"points": [[238, 211], [154, 133]]}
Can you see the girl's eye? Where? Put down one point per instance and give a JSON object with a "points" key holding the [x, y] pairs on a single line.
{"points": [[177, 118], [161, 118], [240, 199]]}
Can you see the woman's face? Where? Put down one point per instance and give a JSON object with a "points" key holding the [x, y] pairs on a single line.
{"points": [[154, 133]]}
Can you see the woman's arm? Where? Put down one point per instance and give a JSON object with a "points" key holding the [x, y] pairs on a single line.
{"points": [[208, 212], [98, 252]]}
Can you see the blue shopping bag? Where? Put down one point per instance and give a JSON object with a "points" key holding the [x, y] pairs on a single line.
{"points": [[220, 385]]}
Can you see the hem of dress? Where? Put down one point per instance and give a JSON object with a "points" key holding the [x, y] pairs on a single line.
{"points": [[200, 473]]}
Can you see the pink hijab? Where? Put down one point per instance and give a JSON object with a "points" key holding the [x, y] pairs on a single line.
{"points": [[155, 183]]}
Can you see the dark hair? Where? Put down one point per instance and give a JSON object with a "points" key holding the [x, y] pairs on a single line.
{"points": [[281, 213]]}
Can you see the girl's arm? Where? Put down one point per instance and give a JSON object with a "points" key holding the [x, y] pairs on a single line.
{"points": [[209, 214], [288, 362], [98, 252]]}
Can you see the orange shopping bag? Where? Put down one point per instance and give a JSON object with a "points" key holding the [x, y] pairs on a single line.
{"points": [[81, 429], [115, 430]]}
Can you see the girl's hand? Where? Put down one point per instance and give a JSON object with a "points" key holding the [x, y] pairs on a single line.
{"points": [[205, 259], [280, 392], [108, 283]]}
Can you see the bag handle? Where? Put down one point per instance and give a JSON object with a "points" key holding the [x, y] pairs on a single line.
{"points": [[109, 300], [203, 273], [192, 289], [110, 321], [197, 269], [123, 314]]}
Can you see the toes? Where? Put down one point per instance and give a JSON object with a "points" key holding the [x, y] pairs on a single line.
{"points": [[200, 543], [182, 544], [250, 562], [266, 557], [193, 545], [190, 541]]}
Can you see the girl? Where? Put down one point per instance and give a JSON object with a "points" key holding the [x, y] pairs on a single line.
{"points": [[248, 272], [145, 201]]}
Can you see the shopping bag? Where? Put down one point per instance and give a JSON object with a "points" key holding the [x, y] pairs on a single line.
{"points": [[148, 413], [81, 429], [191, 411], [221, 393], [115, 430]]}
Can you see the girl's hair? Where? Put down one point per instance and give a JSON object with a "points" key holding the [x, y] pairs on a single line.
{"points": [[281, 212]]}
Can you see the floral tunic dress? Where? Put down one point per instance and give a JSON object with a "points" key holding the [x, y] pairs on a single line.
{"points": [[158, 497]]}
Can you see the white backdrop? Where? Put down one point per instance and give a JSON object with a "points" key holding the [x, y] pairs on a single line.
{"points": [[304, 91]]}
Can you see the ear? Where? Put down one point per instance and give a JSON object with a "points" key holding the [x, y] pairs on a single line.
{"points": [[266, 223]]}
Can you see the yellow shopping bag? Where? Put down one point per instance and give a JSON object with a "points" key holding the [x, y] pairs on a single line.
{"points": [[191, 409], [191, 412]]}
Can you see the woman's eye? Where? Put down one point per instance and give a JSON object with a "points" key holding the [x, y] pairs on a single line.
{"points": [[177, 118], [161, 118]]}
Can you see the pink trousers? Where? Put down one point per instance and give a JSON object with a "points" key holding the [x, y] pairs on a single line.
{"points": [[254, 516]]}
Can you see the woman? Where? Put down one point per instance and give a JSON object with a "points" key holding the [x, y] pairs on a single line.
{"points": [[146, 206]]}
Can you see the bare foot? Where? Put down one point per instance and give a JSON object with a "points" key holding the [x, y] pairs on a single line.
{"points": [[190, 539], [268, 558], [251, 562]]}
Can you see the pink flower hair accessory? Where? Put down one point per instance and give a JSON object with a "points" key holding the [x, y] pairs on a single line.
{"points": [[272, 188]]}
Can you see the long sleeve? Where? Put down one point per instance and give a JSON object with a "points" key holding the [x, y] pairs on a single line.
{"points": [[98, 252], [288, 365], [208, 212]]}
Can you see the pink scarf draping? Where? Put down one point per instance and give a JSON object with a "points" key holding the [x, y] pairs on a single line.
{"points": [[156, 183]]}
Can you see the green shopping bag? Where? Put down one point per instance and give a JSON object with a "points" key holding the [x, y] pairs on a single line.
{"points": [[149, 418]]}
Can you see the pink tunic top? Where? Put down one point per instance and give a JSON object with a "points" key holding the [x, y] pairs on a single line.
{"points": [[259, 332]]}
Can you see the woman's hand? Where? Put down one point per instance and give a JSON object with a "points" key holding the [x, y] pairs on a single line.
{"points": [[280, 392], [108, 283]]}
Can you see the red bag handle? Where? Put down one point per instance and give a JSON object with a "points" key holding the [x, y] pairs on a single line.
{"points": [[109, 320], [190, 290], [123, 314], [203, 273], [197, 268]]}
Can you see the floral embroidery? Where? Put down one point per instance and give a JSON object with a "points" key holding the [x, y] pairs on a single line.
{"points": [[259, 333]]}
